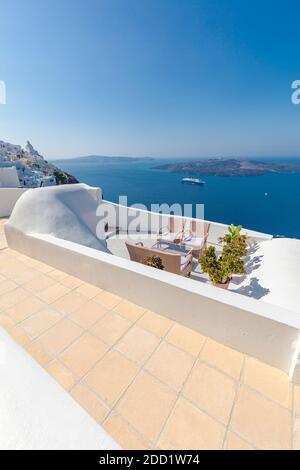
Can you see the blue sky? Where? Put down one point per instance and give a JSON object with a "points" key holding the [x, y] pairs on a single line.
{"points": [[180, 78]]}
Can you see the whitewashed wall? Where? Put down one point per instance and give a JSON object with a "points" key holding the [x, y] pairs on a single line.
{"points": [[36, 412], [8, 199], [122, 215], [265, 331]]}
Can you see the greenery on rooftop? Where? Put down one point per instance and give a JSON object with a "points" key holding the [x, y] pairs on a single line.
{"points": [[221, 268]]}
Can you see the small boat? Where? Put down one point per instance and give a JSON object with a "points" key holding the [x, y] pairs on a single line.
{"points": [[193, 181]]}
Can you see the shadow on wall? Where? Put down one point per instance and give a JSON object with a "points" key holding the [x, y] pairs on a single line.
{"points": [[253, 289]]}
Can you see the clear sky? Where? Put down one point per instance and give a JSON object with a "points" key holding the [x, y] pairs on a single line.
{"points": [[180, 78]]}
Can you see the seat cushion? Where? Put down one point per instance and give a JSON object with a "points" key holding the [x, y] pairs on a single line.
{"points": [[194, 242]]}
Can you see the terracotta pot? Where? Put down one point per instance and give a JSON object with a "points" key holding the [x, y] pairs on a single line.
{"points": [[223, 285]]}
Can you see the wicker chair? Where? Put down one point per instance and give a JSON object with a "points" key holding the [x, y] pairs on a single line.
{"points": [[196, 239], [176, 263]]}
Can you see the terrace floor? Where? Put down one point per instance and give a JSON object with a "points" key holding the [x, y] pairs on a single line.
{"points": [[150, 382]]}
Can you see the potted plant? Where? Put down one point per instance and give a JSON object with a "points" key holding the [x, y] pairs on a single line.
{"points": [[221, 268], [212, 265], [235, 240], [154, 262]]}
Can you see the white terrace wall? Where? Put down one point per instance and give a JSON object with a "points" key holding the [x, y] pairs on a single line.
{"points": [[143, 220], [262, 330], [8, 199]]}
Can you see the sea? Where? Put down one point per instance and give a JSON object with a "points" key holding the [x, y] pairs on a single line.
{"points": [[268, 203]]}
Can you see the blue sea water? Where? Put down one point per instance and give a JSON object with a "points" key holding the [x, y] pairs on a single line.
{"points": [[269, 203]]}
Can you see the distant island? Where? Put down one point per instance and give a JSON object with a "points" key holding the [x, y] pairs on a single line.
{"points": [[102, 159], [229, 167]]}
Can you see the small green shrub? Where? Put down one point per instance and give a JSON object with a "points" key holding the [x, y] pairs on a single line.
{"points": [[216, 268], [235, 241], [221, 268], [154, 262]]}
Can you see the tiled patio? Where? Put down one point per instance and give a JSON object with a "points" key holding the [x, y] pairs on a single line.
{"points": [[150, 382]]}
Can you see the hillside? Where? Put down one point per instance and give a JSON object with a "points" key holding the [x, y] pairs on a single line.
{"points": [[33, 170]]}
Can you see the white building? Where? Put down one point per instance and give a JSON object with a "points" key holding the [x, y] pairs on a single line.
{"points": [[9, 177]]}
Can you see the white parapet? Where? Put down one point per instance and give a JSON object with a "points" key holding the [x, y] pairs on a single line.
{"points": [[59, 227], [36, 413], [8, 199]]}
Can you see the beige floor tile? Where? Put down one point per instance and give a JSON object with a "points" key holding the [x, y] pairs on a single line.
{"points": [[70, 303], [156, 324], [83, 354], [107, 299], [111, 327], [44, 268], [189, 428], [13, 297], [39, 283], [137, 344], [296, 440], [53, 293], [89, 314], [57, 275], [19, 335], [234, 442], [13, 269], [22, 258], [71, 282], [297, 399], [32, 262], [146, 405], [171, 365], [271, 382], [88, 290], [6, 321], [26, 276], [7, 286], [4, 257], [111, 376], [90, 402], [60, 336], [25, 309], [261, 422], [38, 351], [35, 325], [129, 310], [186, 339], [222, 357], [62, 374], [124, 434], [211, 390]]}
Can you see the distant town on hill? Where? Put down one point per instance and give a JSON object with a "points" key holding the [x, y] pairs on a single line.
{"points": [[229, 167], [32, 169]]}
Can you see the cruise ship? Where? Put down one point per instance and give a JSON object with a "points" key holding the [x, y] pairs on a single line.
{"points": [[193, 181]]}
